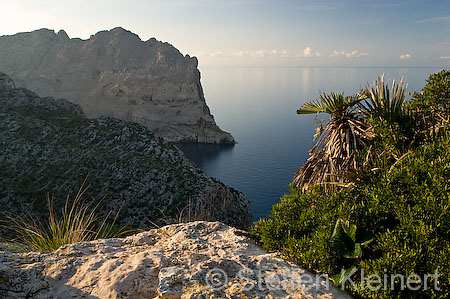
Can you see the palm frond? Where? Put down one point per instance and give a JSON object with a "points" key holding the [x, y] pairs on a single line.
{"points": [[336, 144], [382, 102], [311, 107]]}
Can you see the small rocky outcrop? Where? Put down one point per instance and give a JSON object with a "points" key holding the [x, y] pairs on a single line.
{"points": [[192, 260], [115, 74], [48, 146]]}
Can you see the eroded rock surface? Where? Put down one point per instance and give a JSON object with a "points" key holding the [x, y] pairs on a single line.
{"points": [[115, 74], [192, 260]]}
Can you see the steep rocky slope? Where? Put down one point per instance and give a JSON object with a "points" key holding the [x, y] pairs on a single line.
{"points": [[47, 145], [115, 74], [192, 260]]}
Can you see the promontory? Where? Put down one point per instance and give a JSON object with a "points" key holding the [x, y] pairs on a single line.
{"points": [[48, 146], [115, 74]]}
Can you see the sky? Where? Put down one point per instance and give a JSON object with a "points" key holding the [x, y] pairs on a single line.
{"points": [[414, 33]]}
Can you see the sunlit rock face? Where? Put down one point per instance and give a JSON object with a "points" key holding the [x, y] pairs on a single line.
{"points": [[180, 261], [114, 73]]}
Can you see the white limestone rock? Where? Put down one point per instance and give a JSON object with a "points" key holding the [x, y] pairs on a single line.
{"points": [[176, 261], [115, 74]]}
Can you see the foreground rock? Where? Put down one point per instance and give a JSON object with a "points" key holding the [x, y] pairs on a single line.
{"points": [[115, 74], [193, 260], [48, 146]]}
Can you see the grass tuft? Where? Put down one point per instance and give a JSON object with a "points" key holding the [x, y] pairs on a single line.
{"points": [[77, 222]]}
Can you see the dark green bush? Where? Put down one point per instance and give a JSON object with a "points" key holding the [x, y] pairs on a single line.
{"points": [[431, 106], [405, 207], [394, 218], [434, 98]]}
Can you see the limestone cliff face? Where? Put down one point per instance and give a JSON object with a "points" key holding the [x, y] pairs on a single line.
{"points": [[115, 74]]}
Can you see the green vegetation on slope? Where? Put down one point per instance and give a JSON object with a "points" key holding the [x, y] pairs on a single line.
{"points": [[48, 146], [393, 216]]}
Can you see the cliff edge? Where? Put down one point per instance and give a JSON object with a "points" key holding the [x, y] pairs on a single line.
{"points": [[180, 261], [115, 74]]}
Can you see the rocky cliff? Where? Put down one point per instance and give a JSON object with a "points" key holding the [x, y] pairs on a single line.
{"points": [[115, 74], [192, 260], [48, 145]]}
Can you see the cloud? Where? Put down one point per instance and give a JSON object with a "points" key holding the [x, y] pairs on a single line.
{"points": [[285, 53], [405, 56], [263, 53], [307, 52], [435, 20], [350, 54], [241, 53], [444, 57], [216, 53], [259, 53], [209, 54]]}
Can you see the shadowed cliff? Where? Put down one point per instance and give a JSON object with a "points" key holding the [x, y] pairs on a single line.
{"points": [[48, 145]]}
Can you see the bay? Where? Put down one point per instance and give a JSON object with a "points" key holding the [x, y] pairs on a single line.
{"points": [[258, 106]]}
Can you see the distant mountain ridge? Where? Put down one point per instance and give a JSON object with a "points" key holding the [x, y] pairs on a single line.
{"points": [[115, 74], [48, 146]]}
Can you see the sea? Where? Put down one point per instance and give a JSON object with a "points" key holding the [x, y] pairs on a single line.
{"points": [[258, 105]]}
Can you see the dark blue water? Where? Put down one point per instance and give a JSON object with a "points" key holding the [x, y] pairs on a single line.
{"points": [[258, 106]]}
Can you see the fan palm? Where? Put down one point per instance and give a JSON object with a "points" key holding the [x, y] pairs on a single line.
{"points": [[383, 107], [383, 103], [351, 126], [335, 149]]}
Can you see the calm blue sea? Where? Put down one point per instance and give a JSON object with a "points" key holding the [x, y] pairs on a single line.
{"points": [[258, 106]]}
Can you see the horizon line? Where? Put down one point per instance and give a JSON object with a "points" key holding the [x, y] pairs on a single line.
{"points": [[330, 66]]}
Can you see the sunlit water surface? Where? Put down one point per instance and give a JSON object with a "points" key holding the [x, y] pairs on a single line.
{"points": [[258, 106]]}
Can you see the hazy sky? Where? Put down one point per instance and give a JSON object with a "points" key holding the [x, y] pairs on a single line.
{"points": [[259, 33]]}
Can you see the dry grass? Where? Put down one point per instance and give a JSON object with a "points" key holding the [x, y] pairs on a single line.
{"points": [[77, 222]]}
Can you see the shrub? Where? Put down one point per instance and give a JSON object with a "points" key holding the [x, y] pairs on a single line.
{"points": [[392, 219], [406, 208], [432, 103]]}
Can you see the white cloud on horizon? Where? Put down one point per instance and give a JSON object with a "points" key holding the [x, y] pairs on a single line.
{"points": [[405, 56], [262, 53], [307, 52], [241, 53], [444, 57], [209, 54], [285, 53], [351, 54]]}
